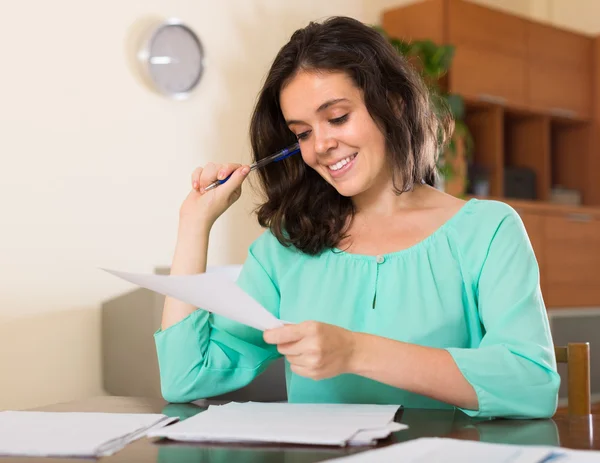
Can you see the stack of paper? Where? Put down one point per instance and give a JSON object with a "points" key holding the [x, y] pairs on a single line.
{"points": [[63, 434], [316, 424], [433, 450]]}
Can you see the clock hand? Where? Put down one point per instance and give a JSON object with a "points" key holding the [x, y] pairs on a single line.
{"points": [[163, 60]]}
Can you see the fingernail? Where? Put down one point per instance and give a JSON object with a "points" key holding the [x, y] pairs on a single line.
{"points": [[245, 170], [195, 185], [220, 175]]}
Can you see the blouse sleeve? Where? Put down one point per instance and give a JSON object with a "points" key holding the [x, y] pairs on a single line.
{"points": [[513, 370], [205, 355]]}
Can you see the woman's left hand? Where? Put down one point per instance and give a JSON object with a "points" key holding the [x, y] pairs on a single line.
{"points": [[315, 350]]}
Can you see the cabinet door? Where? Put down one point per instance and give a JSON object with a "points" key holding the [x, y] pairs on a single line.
{"points": [[560, 70], [572, 248], [488, 75], [491, 51], [486, 28], [560, 90]]}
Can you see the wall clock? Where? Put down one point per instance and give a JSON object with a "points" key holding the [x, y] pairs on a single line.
{"points": [[172, 59]]}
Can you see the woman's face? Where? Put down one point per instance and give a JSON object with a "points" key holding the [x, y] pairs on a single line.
{"points": [[337, 135]]}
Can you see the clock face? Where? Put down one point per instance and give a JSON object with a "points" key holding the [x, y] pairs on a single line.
{"points": [[175, 60]]}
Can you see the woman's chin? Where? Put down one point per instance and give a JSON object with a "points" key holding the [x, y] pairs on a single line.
{"points": [[348, 189]]}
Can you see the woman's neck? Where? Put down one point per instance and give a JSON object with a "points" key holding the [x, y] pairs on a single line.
{"points": [[382, 201]]}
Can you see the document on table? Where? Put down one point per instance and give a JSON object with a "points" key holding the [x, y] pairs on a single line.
{"points": [[312, 424], [65, 434], [438, 450], [208, 291]]}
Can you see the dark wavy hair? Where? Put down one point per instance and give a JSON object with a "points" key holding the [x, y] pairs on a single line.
{"points": [[300, 208]]}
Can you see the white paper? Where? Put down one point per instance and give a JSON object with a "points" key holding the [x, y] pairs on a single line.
{"points": [[370, 436], [316, 424], [208, 291], [438, 450], [65, 434]]}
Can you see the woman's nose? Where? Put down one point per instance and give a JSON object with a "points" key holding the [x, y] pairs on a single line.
{"points": [[324, 142]]}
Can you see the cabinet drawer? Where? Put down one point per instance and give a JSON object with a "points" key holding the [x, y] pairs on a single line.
{"points": [[572, 262], [488, 75], [566, 296], [560, 90], [475, 25], [573, 228]]}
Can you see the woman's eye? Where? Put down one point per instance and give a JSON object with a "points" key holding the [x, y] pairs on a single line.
{"points": [[303, 135], [339, 120]]}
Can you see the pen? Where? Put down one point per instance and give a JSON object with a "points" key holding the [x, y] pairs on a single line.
{"points": [[278, 156]]}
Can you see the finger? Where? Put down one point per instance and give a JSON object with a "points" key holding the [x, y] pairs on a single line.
{"points": [[292, 348], [232, 187], [208, 175], [196, 178], [285, 334], [301, 360], [306, 372], [225, 170]]}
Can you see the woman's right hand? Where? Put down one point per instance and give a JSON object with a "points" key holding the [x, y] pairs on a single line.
{"points": [[202, 208]]}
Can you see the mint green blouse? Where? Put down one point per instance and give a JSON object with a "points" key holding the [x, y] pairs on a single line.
{"points": [[472, 288]]}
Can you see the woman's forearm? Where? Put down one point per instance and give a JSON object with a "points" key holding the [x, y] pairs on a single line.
{"points": [[190, 258], [423, 370]]}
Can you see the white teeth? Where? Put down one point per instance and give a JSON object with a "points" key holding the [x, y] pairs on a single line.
{"points": [[338, 165]]}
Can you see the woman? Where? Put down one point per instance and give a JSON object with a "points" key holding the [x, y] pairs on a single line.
{"points": [[396, 292]]}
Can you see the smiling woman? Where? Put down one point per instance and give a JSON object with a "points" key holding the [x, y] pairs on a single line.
{"points": [[341, 90], [396, 292]]}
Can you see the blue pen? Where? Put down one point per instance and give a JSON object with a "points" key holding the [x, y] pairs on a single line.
{"points": [[278, 156]]}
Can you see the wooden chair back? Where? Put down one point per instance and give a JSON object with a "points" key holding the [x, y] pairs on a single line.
{"points": [[577, 358]]}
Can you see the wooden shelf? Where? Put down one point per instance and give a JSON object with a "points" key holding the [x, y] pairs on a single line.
{"points": [[527, 144]]}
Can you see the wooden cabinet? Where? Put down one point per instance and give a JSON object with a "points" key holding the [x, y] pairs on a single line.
{"points": [[532, 104], [503, 58]]}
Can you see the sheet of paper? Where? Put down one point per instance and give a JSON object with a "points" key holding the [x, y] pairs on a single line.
{"points": [[64, 434], [371, 436], [438, 450], [209, 291], [316, 424]]}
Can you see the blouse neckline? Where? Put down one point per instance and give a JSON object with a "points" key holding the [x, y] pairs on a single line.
{"points": [[423, 243]]}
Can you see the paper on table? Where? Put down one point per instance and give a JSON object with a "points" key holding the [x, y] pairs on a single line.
{"points": [[313, 424], [210, 292], [370, 436], [66, 434], [437, 450]]}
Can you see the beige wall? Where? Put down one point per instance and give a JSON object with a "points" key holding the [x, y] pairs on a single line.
{"points": [[94, 166]]}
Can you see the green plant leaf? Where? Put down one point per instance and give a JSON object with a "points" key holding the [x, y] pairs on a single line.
{"points": [[402, 47], [444, 57], [456, 104], [461, 130]]}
